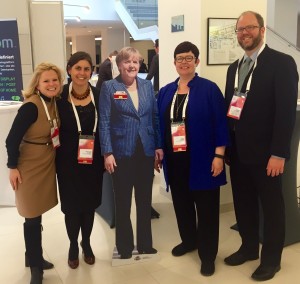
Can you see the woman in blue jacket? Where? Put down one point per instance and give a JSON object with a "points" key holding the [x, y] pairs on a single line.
{"points": [[194, 131]]}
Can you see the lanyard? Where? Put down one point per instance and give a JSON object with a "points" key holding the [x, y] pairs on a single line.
{"points": [[76, 113], [184, 105], [47, 112], [250, 78]]}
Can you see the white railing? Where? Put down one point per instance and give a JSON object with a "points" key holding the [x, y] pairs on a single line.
{"points": [[148, 33]]}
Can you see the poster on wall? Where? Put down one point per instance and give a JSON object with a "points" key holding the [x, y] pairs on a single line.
{"points": [[222, 45], [10, 62]]}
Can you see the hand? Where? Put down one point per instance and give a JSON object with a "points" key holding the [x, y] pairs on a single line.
{"points": [[217, 166], [159, 155], [14, 178], [275, 166], [109, 163]]}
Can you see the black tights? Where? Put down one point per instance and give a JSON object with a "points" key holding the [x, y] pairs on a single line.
{"points": [[74, 222]]}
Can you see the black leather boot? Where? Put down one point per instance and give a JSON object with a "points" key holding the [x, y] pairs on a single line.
{"points": [[36, 275], [33, 244], [46, 264]]}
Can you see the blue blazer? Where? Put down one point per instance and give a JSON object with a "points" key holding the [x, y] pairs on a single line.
{"points": [[121, 125], [207, 128]]}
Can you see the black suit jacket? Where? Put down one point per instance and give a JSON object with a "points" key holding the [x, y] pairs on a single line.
{"points": [[267, 120], [105, 73], [154, 72]]}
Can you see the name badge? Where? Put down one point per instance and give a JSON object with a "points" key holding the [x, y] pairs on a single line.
{"points": [[120, 95], [236, 105], [55, 135], [86, 149], [178, 134]]}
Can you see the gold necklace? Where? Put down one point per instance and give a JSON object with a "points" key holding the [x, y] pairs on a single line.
{"points": [[178, 106], [80, 97]]}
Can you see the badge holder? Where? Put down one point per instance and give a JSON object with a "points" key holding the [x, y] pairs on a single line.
{"points": [[178, 134], [55, 135], [86, 149], [236, 105]]}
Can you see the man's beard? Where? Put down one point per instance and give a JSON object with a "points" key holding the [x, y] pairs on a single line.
{"points": [[254, 45]]}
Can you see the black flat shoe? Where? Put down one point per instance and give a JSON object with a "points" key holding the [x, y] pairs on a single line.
{"points": [[238, 258], [180, 250], [147, 251], [125, 255], [154, 213], [46, 264], [265, 272], [207, 268]]}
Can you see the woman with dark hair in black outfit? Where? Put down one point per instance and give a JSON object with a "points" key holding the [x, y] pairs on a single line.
{"points": [[194, 130], [79, 163]]}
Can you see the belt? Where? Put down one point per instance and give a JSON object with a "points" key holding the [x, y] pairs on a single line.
{"points": [[37, 143]]}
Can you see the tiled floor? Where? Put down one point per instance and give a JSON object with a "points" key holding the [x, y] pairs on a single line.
{"points": [[167, 270]]}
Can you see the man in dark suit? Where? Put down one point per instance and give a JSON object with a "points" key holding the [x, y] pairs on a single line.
{"points": [[105, 70], [154, 68], [261, 127]]}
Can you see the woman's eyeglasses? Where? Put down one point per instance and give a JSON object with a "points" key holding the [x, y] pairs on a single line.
{"points": [[187, 58]]}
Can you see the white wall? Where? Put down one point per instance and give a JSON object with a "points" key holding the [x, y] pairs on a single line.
{"points": [[85, 43], [286, 18], [168, 41], [113, 39], [47, 32], [195, 14]]}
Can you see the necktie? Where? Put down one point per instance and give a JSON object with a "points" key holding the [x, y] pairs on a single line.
{"points": [[244, 71]]}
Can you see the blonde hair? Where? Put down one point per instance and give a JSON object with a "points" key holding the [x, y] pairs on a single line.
{"points": [[126, 52], [41, 68]]}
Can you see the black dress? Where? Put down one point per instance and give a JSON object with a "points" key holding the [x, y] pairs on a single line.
{"points": [[80, 185]]}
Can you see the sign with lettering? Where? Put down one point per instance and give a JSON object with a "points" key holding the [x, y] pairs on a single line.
{"points": [[10, 62]]}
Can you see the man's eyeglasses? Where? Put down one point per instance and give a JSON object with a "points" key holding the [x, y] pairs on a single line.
{"points": [[188, 58], [247, 29]]}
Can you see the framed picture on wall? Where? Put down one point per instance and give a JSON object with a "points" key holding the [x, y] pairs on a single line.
{"points": [[222, 45], [177, 24]]}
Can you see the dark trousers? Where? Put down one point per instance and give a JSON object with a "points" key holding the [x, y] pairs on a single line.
{"points": [[137, 172], [197, 214], [33, 241], [251, 187]]}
